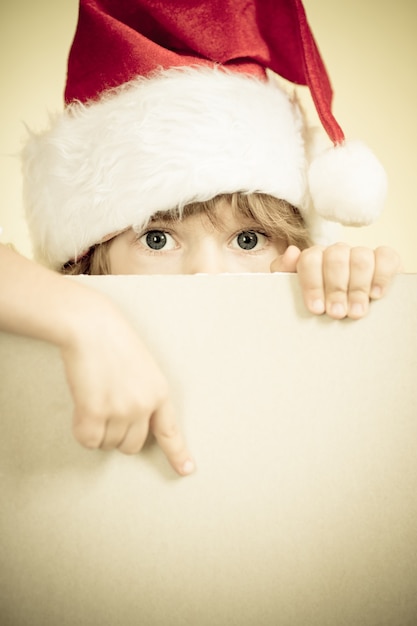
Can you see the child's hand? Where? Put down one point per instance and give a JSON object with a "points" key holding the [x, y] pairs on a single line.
{"points": [[119, 392], [340, 280]]}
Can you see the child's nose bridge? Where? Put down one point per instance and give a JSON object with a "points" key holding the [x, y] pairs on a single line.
{"points": [[207, 257]]}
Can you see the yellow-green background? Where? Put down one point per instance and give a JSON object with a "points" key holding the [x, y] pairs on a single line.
{"points": [[370, 49]]}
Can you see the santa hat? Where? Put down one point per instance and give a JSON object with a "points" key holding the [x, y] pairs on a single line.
{"points": [[169, 103]]}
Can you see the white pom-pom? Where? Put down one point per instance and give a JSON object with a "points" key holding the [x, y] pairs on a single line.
{"points": [[348, 184]]}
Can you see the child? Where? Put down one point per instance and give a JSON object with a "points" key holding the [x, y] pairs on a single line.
{"points": [[246, 233], [175, 154]]}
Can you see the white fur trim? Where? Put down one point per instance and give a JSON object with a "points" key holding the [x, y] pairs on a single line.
{"points": [[184, 135], [348, 184]]}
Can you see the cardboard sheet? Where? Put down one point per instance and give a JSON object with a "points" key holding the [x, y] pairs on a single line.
{"points": [[303, 510]]}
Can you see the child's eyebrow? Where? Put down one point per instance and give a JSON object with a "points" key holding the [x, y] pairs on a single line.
{"points": [[155, 224], [244, 222], [161, 222]]}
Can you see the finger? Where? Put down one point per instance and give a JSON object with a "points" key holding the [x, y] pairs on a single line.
{"points": [[387, 264], [287, 262], [310, 272], [168, 435], [114, 433], [362, 264], [336, 268], [135, 438], [89, 432]]}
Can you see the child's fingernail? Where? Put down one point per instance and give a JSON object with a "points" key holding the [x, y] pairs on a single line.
{"points": [[337, 310], [376, 292], [317, 306], [357, 310], [188, 467]]}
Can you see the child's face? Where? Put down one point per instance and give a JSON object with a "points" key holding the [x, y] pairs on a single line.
{"points": [[194, 245]]}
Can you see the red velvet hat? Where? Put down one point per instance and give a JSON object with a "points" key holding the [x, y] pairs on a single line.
{"points": [[172, 102], [118, 41]]}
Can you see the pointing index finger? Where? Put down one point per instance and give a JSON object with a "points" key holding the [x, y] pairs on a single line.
{"points": [[165, 428]]}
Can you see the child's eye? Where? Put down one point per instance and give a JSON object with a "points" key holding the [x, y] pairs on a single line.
{"points": [[158, 240], [249, 240]]}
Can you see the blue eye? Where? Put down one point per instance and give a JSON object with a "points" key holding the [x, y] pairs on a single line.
{"points": [[247, 240], [156, 239]]}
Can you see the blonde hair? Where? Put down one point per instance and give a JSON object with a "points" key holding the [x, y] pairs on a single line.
{"points": [[278, 218]]}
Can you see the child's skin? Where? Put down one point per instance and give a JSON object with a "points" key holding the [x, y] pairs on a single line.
{"points": [[337, 280], [118, 390]]}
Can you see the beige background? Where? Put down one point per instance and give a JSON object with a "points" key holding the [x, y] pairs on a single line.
{"points": [[370, 48]]}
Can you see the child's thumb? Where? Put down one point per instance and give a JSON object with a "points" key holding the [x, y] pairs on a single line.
{"points": [[287, 262]]}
